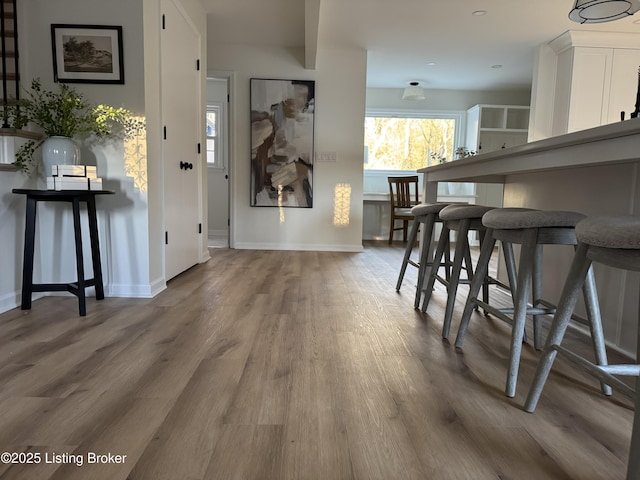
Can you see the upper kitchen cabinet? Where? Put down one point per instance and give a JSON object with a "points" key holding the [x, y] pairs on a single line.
{"points": [[491, 127], [584, 80]]}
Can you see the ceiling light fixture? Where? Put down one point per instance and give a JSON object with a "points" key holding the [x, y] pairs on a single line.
{"points": [[599, 11], [479, 13], [413, 92]]}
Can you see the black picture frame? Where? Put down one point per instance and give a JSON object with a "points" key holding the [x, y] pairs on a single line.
{"points": [[87, 53]]}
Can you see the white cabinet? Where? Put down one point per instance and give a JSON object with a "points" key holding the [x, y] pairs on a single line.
{"points": [[602, 83], [491, 127], [624, 83], [584, 80]]}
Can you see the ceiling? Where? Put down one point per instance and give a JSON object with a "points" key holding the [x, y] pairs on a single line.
{"points": [[439, 43]]}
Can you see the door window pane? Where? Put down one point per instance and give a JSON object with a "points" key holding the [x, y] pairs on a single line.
{"points": [[213, 156]]}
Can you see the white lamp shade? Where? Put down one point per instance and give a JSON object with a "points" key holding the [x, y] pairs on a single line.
{"points": [[413, 92], [599, 11]]}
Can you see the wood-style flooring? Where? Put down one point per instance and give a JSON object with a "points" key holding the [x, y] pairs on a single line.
{"points": [[289, 366]]}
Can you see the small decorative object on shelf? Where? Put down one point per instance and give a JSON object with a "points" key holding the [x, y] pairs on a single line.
{"points": [[462, 152], [74, 177], [437, 158], [634, 114]]}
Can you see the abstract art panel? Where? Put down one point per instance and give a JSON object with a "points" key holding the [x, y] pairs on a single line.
{"points": [[282, 126]]}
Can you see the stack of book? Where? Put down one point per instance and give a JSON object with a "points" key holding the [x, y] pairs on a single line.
{"points": [[74, 177]]}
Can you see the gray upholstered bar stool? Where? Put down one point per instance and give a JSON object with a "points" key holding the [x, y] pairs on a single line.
{"points": [[461, 219], [612, 241], [531, 229], [423, 214]]}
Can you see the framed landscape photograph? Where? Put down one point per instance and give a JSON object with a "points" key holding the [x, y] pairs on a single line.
{"points": [[282, 136], [87, 53]]}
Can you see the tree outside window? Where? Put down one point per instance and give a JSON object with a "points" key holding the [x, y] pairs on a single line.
{"points": [[408, 143]]}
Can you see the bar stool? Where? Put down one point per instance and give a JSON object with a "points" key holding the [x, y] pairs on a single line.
{"points": [[423, 214], [612, 241], [531, 229], [461, 219]]}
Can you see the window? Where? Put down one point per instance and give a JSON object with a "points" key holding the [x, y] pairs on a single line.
{"points": [[214, 155], [409, 141]]}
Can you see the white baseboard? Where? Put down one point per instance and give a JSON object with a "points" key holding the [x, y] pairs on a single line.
{"points": [[218, 233], [299, 247], [9, 301], [136, 291]]}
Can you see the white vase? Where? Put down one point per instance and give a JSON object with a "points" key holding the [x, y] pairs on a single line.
{"points": [[59, 151]]}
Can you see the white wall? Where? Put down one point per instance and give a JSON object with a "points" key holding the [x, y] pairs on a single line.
{"points": [[122, 217], [130, 222], [339, 128]]}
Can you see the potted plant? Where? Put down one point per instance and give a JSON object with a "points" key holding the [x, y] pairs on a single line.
{"points": [[62, 114]]}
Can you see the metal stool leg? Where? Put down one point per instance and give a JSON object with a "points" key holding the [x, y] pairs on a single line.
{"points": [[407, 252], [443, 243], [525, 274], [482, 268], [595, 324], [568, 300], [424, 257], [461, 252], [536, 295]]}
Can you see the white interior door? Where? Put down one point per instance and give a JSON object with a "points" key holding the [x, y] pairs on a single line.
{"points": [[181, 112]]}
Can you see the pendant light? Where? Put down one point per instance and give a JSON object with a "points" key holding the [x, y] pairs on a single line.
{"points": [[413, 92], [599, 11]]}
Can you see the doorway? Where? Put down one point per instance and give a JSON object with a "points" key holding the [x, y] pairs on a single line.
{"points": [[218, 162]]}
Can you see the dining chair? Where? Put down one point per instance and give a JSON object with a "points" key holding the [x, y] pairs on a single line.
{"points": [[403, 194]]}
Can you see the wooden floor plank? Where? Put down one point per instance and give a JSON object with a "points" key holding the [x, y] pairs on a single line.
{"points": [[185, 441], [292, 366]]}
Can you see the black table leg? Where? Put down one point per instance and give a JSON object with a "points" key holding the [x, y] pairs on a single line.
{"points": [[95, 247], [75, 197], [27, 263], [79, 258]]}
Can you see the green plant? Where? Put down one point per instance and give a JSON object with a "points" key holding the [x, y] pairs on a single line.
{"points": [[63, 112]]}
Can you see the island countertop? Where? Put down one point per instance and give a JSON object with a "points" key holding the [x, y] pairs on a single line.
{"points": [[607, 144]]}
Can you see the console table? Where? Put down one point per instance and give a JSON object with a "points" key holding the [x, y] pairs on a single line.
{"points": [[75, 198]]}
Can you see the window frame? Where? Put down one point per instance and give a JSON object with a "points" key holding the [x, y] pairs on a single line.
{"points": [[457, 116], [219, 162], [375, 182]]}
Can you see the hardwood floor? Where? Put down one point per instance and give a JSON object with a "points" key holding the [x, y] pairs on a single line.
{"points": [[289, 365]]}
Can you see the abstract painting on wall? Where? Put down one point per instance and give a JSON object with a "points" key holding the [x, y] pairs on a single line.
{"points": [[282, 130]]}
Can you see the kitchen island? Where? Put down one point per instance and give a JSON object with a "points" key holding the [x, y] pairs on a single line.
{"points": [[595, 172]]}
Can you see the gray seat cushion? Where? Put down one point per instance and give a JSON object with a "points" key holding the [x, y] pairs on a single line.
{"points": [[519, 218], [458, 212], [427, 208], [610, 231]]}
